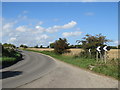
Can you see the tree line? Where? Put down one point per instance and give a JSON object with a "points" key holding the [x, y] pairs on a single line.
{"points": [[61, 45]]}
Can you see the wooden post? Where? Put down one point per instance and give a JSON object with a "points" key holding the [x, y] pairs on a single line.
{"points": [[105, 57], [89, 53], [97, 56], [101, 57]]}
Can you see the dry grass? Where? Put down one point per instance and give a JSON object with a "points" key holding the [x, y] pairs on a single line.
{"points": [[41, 49], [73, 52], [113, 53]]}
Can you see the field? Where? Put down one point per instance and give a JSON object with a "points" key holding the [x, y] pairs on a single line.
{"points": [[41, 49], [113, 53]]}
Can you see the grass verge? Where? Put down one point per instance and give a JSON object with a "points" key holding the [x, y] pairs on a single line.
{"points": [[108, 69], [8, 61]]}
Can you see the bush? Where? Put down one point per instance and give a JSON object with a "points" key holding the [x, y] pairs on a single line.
{"points": [[51, 45], [24, 46], [113, 47], [36, 46], [75, 46], [9, 56], [92, 42], [61, 46]]}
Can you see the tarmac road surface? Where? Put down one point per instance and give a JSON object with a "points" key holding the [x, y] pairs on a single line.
{"points": [[33, 66]]}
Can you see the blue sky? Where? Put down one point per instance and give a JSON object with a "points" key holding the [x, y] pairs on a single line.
{"points": [[39, 23]]}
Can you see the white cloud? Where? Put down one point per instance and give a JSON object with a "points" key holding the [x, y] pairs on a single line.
{"points": [[52, 29], [24, 34], [69, 34], [89, 13], [65, 26], [30, 34], [39, 27], [51, 42], [55, 19], [7, 26], [55, 28], [12, 39], [22, 15], [44, 36], [0, 36], [40, 23], [25, 11], [69, 25], [41, 37], [21, 28], [117, 42]]}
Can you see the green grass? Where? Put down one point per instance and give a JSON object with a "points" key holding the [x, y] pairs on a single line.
{"points": [[9, 59], [109, 69]]}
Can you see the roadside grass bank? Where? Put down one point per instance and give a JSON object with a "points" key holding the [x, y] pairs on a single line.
{"points": [[108, 69], [6, 61]]}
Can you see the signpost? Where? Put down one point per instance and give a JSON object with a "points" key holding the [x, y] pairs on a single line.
{"points": [[97, 54], [89, 52], [105, 48], [100, 50]]}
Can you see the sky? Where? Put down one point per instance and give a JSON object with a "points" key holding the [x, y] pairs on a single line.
{"points": [[41, 23], [60, 0]]}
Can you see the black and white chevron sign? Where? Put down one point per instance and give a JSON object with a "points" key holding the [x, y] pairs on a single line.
{"points": [[105, 48]]}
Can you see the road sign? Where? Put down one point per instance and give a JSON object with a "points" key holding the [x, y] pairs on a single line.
{"points": [[89, 50], [105, 48], [99, 48], [102, 52]]}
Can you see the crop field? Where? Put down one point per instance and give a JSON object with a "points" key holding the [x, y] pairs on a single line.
{"points": [[41, 49], [113, 53]]}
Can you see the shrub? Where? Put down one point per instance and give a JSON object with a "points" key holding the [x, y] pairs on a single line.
{"points": [[61, 46], [24, 46], [92, 42], [36, 46], [51, 45]]}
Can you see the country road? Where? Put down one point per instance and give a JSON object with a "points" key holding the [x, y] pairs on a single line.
{"points": [[41, 71], [33, 66]]}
